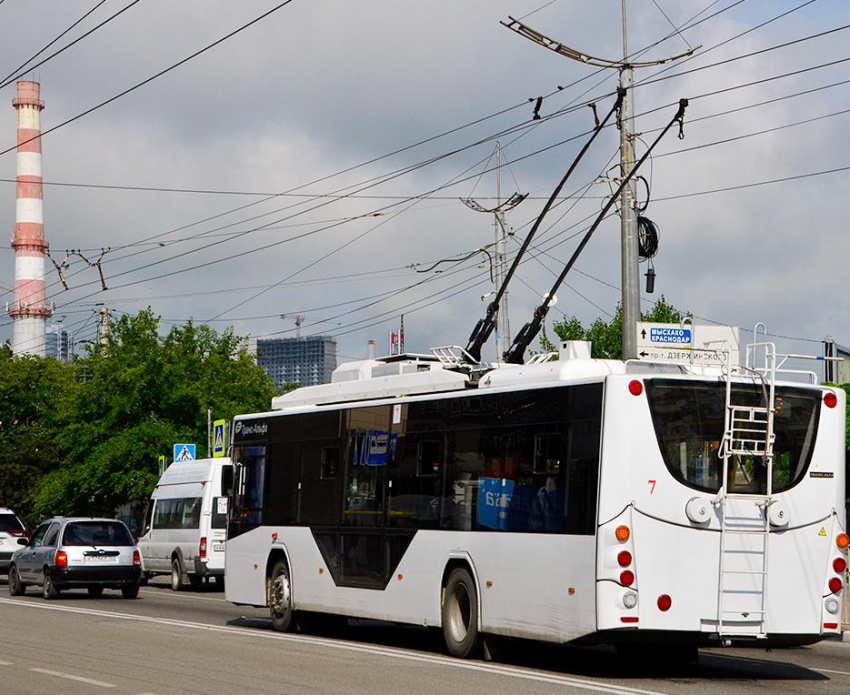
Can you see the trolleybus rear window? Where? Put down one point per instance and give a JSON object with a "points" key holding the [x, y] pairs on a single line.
{"points": [[688, 417]]}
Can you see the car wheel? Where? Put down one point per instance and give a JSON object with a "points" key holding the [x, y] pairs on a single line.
{"points": [[144, 578], [130, 590], [460, 615], [48, 589], [176, 575], [16, 586], [280, 599], [95, 591]]}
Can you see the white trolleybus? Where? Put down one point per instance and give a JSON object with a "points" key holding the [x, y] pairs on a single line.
{"points": [[571, 500]]}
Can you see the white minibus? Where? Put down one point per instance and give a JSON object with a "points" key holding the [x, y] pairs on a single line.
{"points": [[185, 525]]}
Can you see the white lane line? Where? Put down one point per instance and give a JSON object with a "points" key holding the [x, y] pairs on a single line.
{"points": [[829, 670], [71, 677], [6, 663], [168, 593], [390, 652]]}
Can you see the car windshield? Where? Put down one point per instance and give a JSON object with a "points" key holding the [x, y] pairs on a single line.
{"points": [[9, 523], [96, 533]]}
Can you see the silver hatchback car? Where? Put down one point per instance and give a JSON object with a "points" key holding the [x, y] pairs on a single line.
{"points": [[77, 553]]}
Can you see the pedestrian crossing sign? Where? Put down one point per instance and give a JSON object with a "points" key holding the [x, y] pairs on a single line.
{"points": [[184, 452], [219, 446]]}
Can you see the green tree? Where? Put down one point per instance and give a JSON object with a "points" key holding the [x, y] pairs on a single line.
{"points": [[142, 393], [607, 336], [35, 393]]}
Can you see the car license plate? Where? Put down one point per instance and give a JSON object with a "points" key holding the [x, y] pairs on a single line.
{"points": [[102, 559], [218, 547]]}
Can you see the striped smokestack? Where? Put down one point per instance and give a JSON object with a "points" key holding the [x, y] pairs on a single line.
{"points": [[30, 310]]}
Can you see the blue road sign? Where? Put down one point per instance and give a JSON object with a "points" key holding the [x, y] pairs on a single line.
{"points": [[670, 336], [184, 452]]}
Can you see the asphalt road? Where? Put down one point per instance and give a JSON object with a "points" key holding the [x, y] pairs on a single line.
{"points": [[196, 642]]}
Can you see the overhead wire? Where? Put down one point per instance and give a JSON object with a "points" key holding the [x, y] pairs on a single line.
{"points": [[36, 55], [151, 78]]}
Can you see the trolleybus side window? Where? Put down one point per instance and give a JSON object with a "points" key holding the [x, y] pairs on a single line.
{"points": [[370, 447], [689, 421]]}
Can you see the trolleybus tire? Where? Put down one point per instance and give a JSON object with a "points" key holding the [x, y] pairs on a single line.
{"points": [[280, 599], [16, 586], [460, 615]]}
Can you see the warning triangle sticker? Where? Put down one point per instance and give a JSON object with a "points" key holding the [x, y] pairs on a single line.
{"points": [[822, 532]]}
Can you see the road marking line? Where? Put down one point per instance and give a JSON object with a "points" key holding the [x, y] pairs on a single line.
{"points": [[512, 672], [6, 663], [168, 593], [71, 677], [829, 670]]}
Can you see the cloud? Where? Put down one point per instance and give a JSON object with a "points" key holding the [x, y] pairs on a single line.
{"points": [[320, 87]]}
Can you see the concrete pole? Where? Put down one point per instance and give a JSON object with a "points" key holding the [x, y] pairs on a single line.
{"points": [[503, 324], [628, 214], [103, 331]]}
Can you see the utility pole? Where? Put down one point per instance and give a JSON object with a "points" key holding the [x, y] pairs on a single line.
{"points": [[503, 323], [628, 198], [103, 327], [629, 259]]}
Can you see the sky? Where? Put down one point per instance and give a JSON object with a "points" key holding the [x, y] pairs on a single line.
{"points": [[314, 163]]}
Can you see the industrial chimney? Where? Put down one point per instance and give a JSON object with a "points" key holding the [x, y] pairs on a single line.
{"points": [[29, 311]]}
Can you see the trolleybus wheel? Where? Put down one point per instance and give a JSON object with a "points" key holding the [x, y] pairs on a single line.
{"points": [[280, 599], [460, 615]]}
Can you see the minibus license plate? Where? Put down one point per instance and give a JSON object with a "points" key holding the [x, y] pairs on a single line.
{"points": [[218, 547]]}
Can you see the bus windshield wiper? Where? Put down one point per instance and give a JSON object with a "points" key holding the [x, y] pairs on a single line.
{"points": [[515, 354], [484, 328]]}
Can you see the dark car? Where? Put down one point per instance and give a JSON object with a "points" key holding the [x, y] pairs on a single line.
{"points": [[74, 554]]}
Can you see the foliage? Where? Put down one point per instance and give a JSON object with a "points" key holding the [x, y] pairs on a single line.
{"points": [[34, 397], [607, 336], [141, 393]]}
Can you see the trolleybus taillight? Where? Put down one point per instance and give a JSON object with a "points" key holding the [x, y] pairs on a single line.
{"points": [[664, 602], [624, 559], [830, 400], [627, 577], [839, 564], [636, 388], [835, 585]]}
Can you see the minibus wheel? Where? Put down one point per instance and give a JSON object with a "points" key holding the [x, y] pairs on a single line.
{"points": [[280, 598]]}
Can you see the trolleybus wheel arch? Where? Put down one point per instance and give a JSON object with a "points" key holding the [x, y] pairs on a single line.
{"points": [[460, 614], [280, 598]]}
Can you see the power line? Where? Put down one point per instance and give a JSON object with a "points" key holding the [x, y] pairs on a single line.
{"points": [[29, 60], [152, 77]]}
